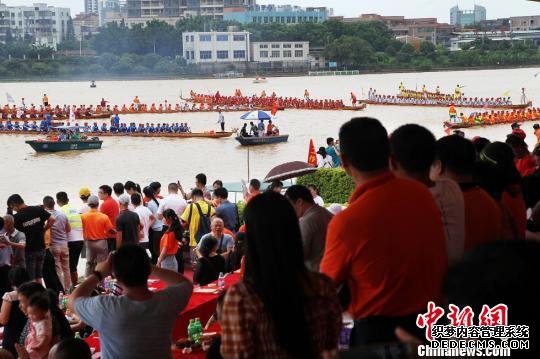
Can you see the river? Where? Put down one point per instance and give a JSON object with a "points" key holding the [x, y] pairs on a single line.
{"points": [[148, 159]]}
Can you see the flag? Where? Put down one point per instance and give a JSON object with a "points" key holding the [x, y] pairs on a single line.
{"points": [[312, 155], [506, 94], [9, 98], [275, 109]]}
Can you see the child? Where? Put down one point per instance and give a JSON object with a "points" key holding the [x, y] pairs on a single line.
{"points": [[38, 341]]}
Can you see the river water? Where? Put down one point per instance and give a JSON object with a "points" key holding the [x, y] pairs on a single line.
{"points": [[147, 159]]}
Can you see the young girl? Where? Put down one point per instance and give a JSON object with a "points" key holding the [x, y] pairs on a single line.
{"points": [[169, 242], [39, 339]]}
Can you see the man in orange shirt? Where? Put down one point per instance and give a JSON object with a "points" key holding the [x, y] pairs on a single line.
{"points": [[109, 207], [388, 247], [456, 157], [96, 229]]}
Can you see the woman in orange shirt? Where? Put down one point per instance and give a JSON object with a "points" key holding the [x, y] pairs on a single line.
{"points": [[169, 242]]}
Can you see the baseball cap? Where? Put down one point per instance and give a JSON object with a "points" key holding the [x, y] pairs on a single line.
{"points": [[94, 200], [124, 199], [84, 192]]}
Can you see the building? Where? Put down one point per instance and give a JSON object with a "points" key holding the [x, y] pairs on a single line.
{"points": [[170, 11], [281, 54], [85, 24], [91, 6], [494, 25], [525, 23], [46, 25], [464, 37], [465, 18], [216, 47], [284, 14], [421, 29]]}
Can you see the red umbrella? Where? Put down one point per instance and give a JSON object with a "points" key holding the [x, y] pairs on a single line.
{"points": [[289, 170]]}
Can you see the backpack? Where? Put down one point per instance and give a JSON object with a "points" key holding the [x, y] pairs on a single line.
{"points": [[204, 222]]}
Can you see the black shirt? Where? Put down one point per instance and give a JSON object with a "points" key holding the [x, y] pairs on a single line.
{"points": [[31, 220], [128, 223], [207, 269]]}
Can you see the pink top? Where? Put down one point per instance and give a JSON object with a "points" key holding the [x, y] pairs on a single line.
{"points": [[38, 331]]}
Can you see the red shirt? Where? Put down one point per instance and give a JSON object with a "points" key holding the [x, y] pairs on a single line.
{"points": [[526, 165], [517, 212], [110, 208], [483, 218], [389, 247]]}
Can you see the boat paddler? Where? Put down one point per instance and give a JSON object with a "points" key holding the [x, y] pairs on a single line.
{"points": [[45, 100], [457, 93], [306, 95], [401, 87], [353, 99], [136, 103], [453, 113]]}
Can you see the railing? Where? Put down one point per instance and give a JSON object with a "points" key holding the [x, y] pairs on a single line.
{"points": [[333, 73]]}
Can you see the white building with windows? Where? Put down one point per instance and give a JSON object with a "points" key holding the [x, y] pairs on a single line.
{"points": [[46, 25], [211, 47], [280, 51]]}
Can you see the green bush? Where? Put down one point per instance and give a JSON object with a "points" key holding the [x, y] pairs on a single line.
{"points": [[333, 183]]}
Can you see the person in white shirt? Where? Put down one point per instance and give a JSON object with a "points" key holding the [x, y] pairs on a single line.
{"points": [[173, 201], [315, 194], [221, 120], [75, 236], [146, 217], [323, 159]]}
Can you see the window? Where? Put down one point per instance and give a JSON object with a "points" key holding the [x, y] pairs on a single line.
{"points": [[223, 54], [287, 53], [239, 38], [222, 37], [254, 19], [205, 55], [298, 46], [239, 54], [205, 38], [263, 46], [265, 20], [275, 54], [192, 38], [187, 55], [193, 55], [283, 19], [288, 19], [264, 54], [275, 46], [299, 53], [287, 46], [294, 20], [187, 38]]}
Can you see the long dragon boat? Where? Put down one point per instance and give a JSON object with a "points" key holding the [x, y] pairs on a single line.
{"points": [[502, 107], [209, 134]]}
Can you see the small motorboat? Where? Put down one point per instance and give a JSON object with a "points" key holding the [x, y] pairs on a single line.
{"points": [[93, 84], [67, 140], [263, 140], [260, 80]]}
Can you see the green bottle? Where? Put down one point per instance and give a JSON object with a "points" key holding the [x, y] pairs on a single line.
{"points": [[197, 331], [191, 330]]}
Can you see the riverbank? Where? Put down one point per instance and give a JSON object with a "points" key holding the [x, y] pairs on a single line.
{"points": [[155, 77]]}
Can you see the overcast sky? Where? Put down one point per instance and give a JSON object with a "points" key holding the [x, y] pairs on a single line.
{"points": [[410, 8]]}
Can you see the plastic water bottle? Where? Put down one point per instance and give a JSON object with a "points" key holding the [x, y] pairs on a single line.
{"points": [[197, 331], [221, 281], [77, 335], [190, 330], [61, 300]]}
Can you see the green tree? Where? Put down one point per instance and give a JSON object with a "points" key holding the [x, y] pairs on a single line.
{"points": [[350, 51]]}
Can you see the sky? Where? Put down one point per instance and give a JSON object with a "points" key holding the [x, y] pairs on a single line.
{"points": [[352, 8]]}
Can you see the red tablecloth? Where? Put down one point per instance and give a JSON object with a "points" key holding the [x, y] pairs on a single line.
{"points": [[200, 305]]}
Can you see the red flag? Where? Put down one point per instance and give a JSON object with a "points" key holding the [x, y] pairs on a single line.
{"points": [[312, 155], [274, 108]]}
